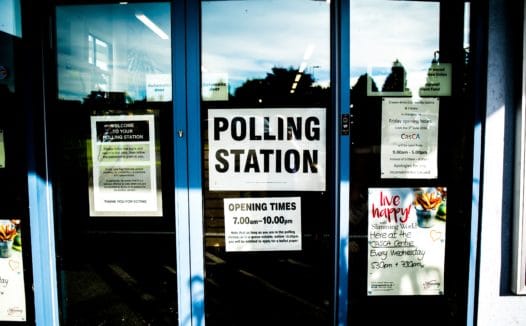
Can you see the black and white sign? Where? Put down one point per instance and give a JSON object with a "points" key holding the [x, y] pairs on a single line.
{"points": [[214, 86], [159, 87], [409, 138], [267, 149], [438, 82], [262, 224], [124, 166]]}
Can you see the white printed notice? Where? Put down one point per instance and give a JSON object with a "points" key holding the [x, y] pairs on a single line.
{"points": [[407, 232], [214, 86], [267, 149], [12, 290], [438, 82], [124, 170], [263, 224], [409, 138], [158, 87]]}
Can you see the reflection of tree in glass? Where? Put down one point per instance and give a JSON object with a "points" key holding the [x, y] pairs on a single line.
{"points": [[395, 81], [365, 110], [365, 141], [101, 100], [139, 63], [275, 89]]}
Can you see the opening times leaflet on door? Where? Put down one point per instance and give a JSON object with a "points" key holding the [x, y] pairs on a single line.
{"points": [[262, 224]]}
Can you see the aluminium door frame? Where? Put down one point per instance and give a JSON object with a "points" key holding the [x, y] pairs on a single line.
{"points": [[186, 74]]}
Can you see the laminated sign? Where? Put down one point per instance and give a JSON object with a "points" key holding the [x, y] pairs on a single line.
{"points": [[267, 149], [263, 224], [409, 138], [407, 234], [124, 172]]}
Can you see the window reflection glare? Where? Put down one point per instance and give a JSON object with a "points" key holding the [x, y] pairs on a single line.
{"points": [[102, 48], [264, 35], [387, 34]]}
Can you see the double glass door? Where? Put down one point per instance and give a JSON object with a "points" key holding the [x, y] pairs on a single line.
{"points": [[259, 145], [265, 107], [410, 162]]}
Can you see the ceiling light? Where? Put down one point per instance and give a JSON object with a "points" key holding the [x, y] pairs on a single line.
{"points": [[308, 52], [297, 79], [152, 26], [303, 66]]}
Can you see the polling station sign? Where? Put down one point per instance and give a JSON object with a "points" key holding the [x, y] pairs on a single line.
{"points": [[267, 149]]}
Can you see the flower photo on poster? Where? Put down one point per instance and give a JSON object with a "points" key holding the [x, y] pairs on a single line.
{"points": [[12, 291]]}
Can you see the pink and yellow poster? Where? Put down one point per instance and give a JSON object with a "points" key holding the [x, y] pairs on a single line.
{"points": [[12, 290], [406, 247]]}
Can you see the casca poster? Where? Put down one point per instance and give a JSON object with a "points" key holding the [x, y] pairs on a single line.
{"points": [[267, 149], [407, 233], [409, 138], [124, 173]]}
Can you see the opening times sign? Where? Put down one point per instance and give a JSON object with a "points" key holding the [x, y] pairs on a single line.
{"points": [[406, 249], [267, 149], [124, 166], [262, 224]]}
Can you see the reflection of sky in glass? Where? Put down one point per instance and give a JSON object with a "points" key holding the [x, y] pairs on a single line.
{"points": [[383, 31], [467, 9], [10, 17], [135, 50], [247, 38]]}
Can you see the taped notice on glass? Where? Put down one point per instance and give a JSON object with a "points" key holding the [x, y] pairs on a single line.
{"points": [[409, 138], [267, 149], [438, 82], [262, 224], [124, 176], [406, 247]]}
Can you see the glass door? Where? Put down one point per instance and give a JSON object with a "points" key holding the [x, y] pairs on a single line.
{"points": [[113, 164], [411, 160], [265, 110]]}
